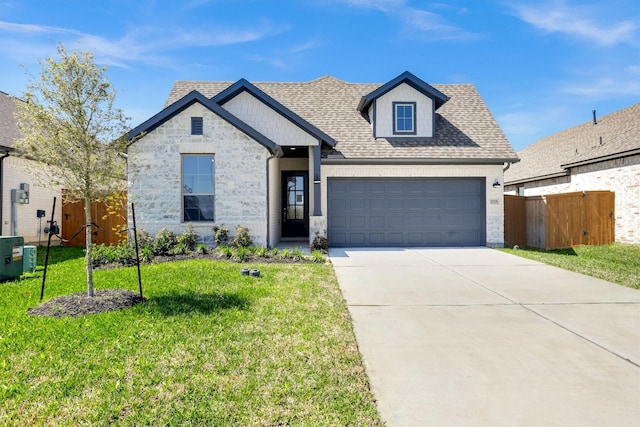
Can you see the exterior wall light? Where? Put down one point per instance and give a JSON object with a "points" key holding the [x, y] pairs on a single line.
{"points": [[496, 184]]}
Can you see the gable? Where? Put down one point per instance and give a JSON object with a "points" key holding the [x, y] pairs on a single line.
{"points": [[244, 105], [187, 101], [267, 121]]}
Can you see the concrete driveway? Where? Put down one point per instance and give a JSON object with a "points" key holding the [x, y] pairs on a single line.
{"points": [[477, 337]]}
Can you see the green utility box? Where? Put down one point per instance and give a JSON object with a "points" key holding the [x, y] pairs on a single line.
{"points": [[30, 259], [11, 257]]}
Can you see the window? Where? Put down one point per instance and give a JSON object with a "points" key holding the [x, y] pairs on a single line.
{"points": [[404, 118], [197, 187], [196, 126], [521, 190]]}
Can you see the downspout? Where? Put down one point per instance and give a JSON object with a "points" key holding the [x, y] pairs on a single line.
{"points": [[2, 188], [506, 167]]}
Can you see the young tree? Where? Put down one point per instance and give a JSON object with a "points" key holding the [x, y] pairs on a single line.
{"points": [[73, 132]]}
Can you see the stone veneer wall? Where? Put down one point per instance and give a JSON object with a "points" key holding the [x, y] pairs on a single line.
{"points": [[494, 196], [240, 177], [621, 176]]}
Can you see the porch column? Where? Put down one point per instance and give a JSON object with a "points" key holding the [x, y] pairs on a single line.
{"points": [[317, 207]]}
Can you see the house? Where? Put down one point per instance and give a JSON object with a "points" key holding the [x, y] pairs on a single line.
{"points": [[403, 163], [25, 206], [600, 154]]}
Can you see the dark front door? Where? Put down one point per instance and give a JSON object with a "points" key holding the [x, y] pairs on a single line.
{"points": [[295, 204]]}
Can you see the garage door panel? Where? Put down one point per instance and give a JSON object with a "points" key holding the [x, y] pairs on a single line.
{"points": [[377, 239], [377, 222], [357, 205], [376, 204], [406, 211]]}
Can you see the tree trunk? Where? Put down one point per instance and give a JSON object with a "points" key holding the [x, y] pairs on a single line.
{"points": [[89, 246]]}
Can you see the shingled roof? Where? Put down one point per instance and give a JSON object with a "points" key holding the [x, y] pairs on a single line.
{"points": [[465, 130], [9, 132], [615, 135]]}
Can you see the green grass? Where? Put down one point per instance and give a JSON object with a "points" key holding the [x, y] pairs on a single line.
{"points": [[616, 263], [208, 347]]}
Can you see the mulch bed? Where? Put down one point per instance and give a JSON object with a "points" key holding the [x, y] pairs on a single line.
{"points": [[80, 304]]}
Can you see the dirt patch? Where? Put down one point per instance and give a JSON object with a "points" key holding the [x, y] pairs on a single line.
{"points": [[80, 304]]}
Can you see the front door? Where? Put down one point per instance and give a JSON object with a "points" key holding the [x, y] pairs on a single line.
{"points": [[295, 204]]}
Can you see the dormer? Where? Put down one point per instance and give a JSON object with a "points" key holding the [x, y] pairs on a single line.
{"points": [[403, 107]]}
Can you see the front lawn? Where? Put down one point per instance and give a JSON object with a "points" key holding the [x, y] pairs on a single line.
{"points": [[208, 347], [616, 263]]}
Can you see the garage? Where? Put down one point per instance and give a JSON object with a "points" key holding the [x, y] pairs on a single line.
{"points": [[436, 212]]}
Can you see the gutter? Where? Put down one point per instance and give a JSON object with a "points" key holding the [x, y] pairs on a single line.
{"points": [[418, 161], [537, 178], [7, 154], [602, 159]]}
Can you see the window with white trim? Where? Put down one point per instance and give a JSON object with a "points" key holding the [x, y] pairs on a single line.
{"points": [[404, 118], [197, 187]]}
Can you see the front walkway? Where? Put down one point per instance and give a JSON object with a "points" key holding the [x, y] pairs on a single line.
{"points": [[477, 337]]}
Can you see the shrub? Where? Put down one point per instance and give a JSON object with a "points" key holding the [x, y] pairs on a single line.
{"points": [[317, 256], [320, 243], [242, 238], [201, 249], [163, 243], [225, 251], [240, 253], [145, 253], [261, 252], [180, 249], [144, 239], [188, 238], [123, 253], [220, 234], [284, 254], [296, 254]]}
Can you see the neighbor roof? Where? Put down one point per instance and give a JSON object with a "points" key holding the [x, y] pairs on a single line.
{"points": [[9, 132], [615, 135], [465, 130]]}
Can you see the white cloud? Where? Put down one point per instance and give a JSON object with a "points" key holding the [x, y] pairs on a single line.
{"points": [[605, 87], [383, 5], [33, 29], [429, 24], [582, 22], [145, 45], [436, 26]]}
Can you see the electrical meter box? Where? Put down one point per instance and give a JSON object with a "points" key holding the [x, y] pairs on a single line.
{"points": [[11, 257]]}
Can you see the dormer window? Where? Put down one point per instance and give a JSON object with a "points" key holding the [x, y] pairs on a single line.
{"points": [[404, 118]]}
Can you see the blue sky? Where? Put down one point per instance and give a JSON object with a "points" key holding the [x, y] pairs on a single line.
{"points": [[541, 66]]}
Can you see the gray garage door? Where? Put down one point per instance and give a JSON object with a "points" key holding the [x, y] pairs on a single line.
{"points": [[406, 212]]}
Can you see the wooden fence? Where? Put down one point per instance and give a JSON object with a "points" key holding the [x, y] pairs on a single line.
{"points": [[557, 221], [106, 232]]}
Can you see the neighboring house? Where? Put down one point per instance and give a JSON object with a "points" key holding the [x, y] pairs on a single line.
{"points": [[398, 164], [601, 154], [19, 216]]}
